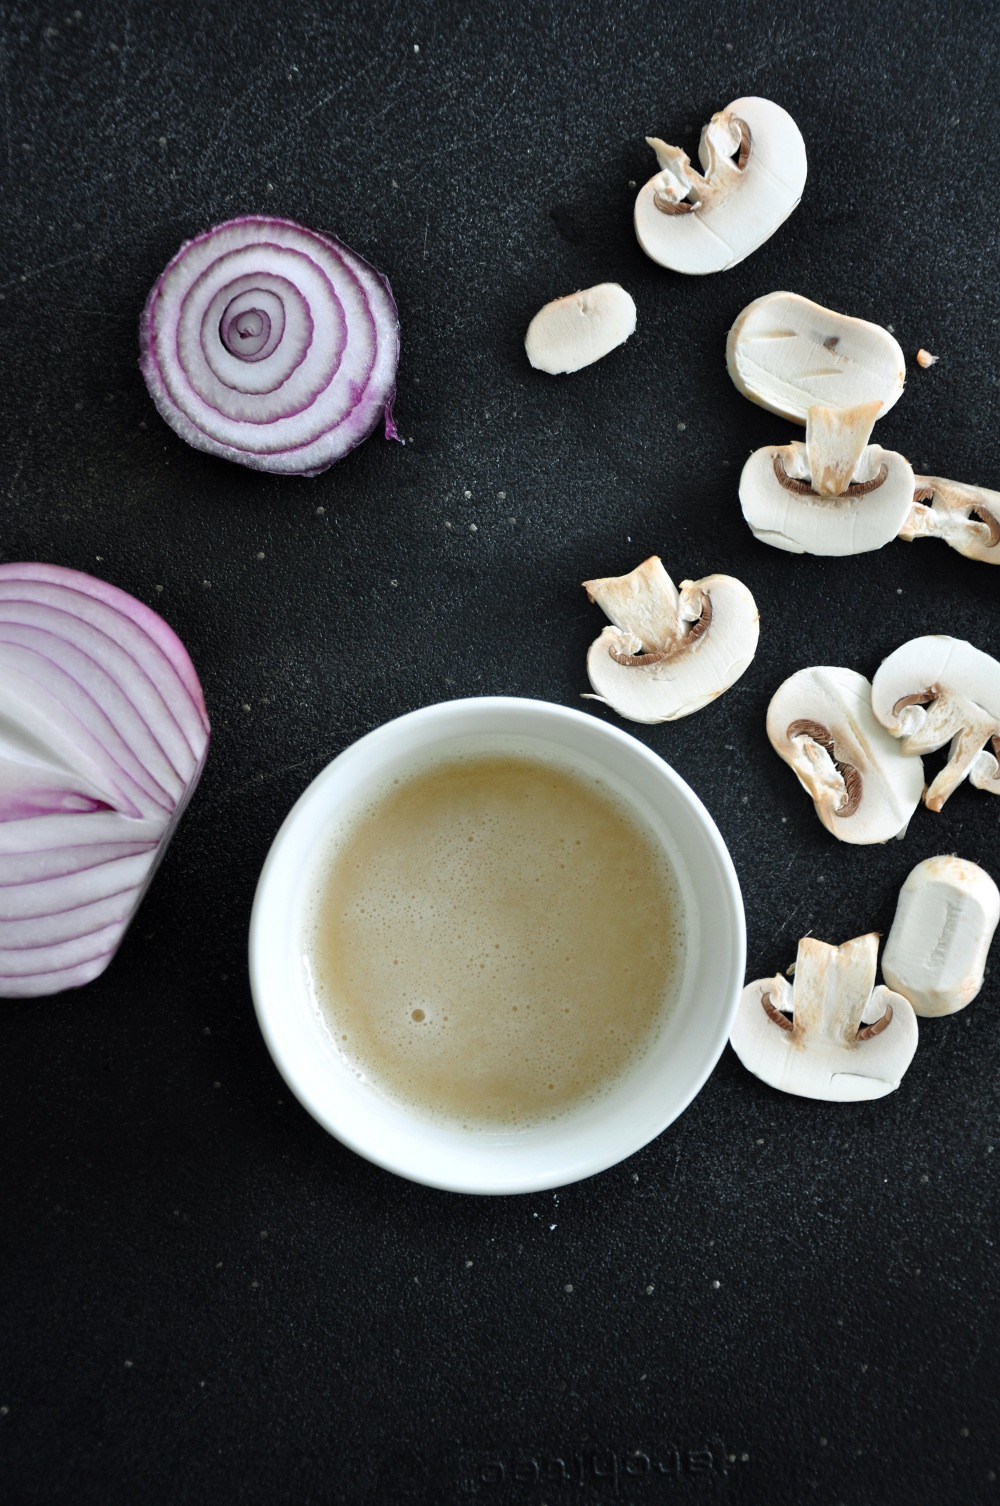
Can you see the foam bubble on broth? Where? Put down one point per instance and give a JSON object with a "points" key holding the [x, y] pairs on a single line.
{"points": [[495, 941]]}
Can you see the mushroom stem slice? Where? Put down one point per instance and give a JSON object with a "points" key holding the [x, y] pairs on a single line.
{"points": [[669, 652], [965, 517], [575, 331], [863, 785], [936, 690], [753, 163], [789, 354], [645, 602], [835, 441], [846, 1041], [947, 913], [784, 508]]}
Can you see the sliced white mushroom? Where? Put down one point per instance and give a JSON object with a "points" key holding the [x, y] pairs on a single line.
{"points": [[785, 489], [832, 1034], [945, 919], [577, 330], [937, 690], [966, 517], [705, 222], [789, 354], [669, 652], [864, 787]]}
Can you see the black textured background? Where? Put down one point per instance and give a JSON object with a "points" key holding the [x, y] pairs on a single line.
{"points": [[205, 1298]]}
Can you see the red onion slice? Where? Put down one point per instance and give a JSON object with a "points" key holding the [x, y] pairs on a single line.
{"points": [[271, 345], [103, 736]]}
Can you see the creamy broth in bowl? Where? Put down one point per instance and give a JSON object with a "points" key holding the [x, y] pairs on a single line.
{"points": [[494, 940]]}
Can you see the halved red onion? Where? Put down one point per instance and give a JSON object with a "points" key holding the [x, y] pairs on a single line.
{"points": [[103, 736], [271, 345]]}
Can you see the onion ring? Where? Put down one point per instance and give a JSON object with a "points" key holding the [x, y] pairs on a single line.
{"points": [[271, 345]]}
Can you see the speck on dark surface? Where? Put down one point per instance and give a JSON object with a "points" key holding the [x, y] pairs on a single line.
{"points": [[794, 1301]]}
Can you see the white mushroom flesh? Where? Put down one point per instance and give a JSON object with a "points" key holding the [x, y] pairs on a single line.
{"points": [[753, 163], [936, 690], [789, 355], [669, 652], [945, 919], [864, 787], [783, 508], [966, 517], [835, 1045], [575, 331]]}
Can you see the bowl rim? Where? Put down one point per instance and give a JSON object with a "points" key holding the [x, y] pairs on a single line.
{"points": [[269, 1013]]}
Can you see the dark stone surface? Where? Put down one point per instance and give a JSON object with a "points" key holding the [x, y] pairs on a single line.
{"points": [[206, 1299]]}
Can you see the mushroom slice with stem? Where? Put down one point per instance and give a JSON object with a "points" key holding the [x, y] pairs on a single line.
{"points": [[864, 787], [844, 1041], [789, 354], [936, 952], [669, 652], [966, 517], [754, 169], [937, 690], [788, 494], [575, 331]]}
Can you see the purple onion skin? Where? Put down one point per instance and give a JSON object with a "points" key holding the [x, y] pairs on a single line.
{"points": [[180, 355], [102, 698]]}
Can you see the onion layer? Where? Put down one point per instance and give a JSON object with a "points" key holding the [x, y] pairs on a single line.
{"points": [[103, 736], [271, 345]]}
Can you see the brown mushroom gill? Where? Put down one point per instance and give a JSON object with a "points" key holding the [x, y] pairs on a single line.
{"points": [[865, 1032], [684, 206], [803, 489], [672, 206], [775, 1014], [919, 698], [661, 656], [853, 783]]}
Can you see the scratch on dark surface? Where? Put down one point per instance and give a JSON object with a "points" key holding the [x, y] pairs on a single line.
{"points": [[260, 778], [376, 59], [33, 272], [6, 93]]}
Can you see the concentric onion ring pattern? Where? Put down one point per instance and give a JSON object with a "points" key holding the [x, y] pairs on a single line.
{"points": [[271, 345]]}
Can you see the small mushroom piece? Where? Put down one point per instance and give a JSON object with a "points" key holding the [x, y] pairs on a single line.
{"points": [[754, 169], [789, 355], [786, 496], [575, 331], [864, 787], [831, 1035], [966, 517], [936, 952], [669, 652], [937, 690]]}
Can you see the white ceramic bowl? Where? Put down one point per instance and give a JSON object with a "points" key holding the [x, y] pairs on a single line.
{"points": [[591, 1138]]}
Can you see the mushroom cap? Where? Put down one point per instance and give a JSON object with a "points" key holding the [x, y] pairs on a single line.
{"points": [[739, 208], [947, 913], [828, 525], [690, 665], [821, 1056], [575, 331], [789, 354], [966, 517], [938, 663], [838, 701]]}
